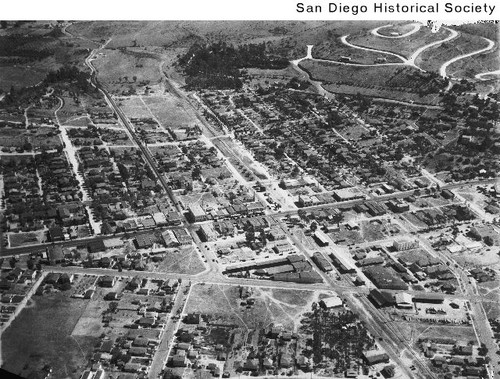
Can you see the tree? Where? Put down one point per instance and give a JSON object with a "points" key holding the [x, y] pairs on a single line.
{"points": [[12, 262], [314, 226], [250, 236]]}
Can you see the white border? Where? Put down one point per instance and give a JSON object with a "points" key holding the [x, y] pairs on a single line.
{"points": [[232, 10]]}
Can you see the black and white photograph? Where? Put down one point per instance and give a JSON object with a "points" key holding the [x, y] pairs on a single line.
{"points": [[189, 199]]}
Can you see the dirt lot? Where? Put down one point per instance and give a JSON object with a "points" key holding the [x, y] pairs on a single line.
{"points": [[183, 261], [271, 306], [42, 334]]}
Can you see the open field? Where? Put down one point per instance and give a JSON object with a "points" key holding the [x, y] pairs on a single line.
{"points": [[334, 49], [403, 46], [424, 331], [170, 111], [184, 261], [19, 77], [117, 69], [134, 107], [393, 82], [397, 29], [184, 33], [42, 334], [271, 306], [431, 59], [469, 67]]}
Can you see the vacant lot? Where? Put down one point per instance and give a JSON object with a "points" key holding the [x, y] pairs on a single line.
{"points": [[134, 107], [183, 261], [170, 111], [123, 72], [271, 306], [42, 334]]}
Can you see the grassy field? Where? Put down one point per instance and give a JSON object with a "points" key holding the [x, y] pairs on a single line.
{"points": [[397, 29], [403, 46], [334, 49], [184, 33], [19, 77], [42, 334], [477, 64], [400, 83], [431, 59], [134, 107], [170, 111], [117, 69]]}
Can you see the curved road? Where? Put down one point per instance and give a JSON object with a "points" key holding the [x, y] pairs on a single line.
{"points": [[413, 57], [415, 29], [442, 69], [344, 41], [489, 73]]}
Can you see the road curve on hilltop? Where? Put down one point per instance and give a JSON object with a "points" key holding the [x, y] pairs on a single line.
{"points": [[442, 69], [415, 29], [413, 57], [344, 41], [480, 76]]}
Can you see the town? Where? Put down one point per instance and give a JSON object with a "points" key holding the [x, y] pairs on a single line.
{"points": [[249, 199]]}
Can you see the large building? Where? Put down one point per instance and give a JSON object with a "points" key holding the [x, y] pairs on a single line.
{"points": [[196, 213], [401, 245], [321, 238]]}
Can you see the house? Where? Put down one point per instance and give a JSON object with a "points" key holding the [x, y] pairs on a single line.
{"points": [[146, 322], [145, 240], [55, 254], [52, 278], [138, 351], [132, 367], [107, 281], [179, 361], [56, 234], [89, 294], [169, 239], [95, 247], [14, 274], [251, 365], [388, 371], [134, 283], [183, 237]]}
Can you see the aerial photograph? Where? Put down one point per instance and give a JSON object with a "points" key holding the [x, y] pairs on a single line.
{"points": [[236, 199]]}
